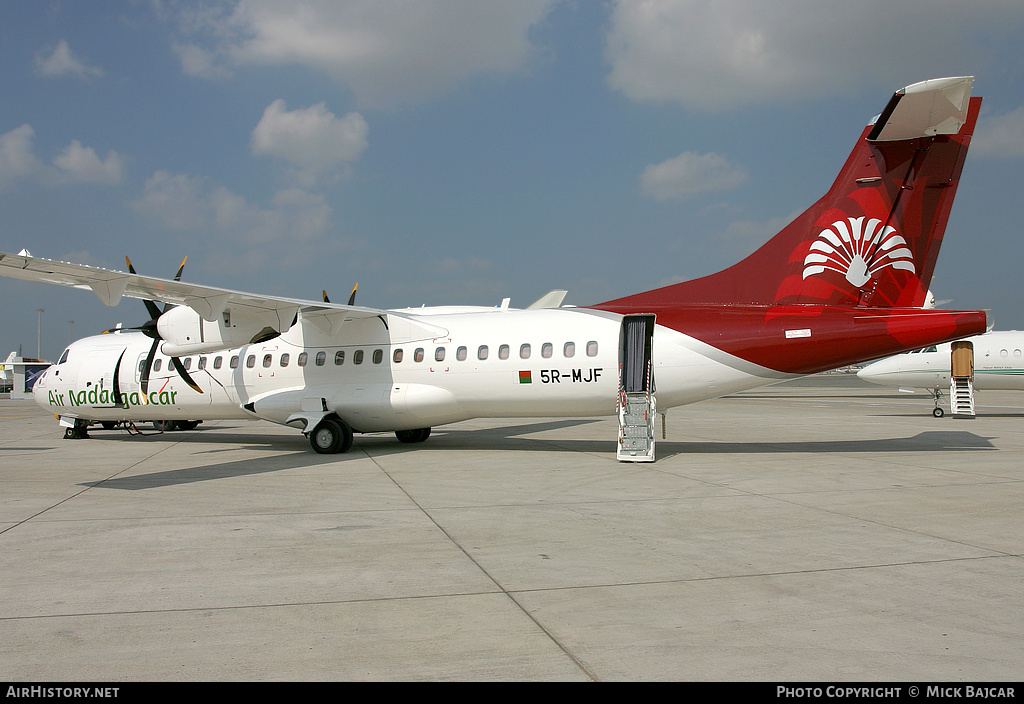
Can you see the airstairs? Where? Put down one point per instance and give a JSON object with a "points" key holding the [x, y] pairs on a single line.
{"points": [[636, 406], [636, 427], [961, 380]]}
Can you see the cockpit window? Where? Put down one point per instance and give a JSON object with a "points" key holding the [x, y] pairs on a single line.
{"points": [[64, 357]]}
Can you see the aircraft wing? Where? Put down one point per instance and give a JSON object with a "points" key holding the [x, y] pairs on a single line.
{"points": [[209, 302]]}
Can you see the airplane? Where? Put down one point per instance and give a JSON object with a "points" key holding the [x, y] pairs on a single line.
{"points": [[843, 283], [998, 365], [7, 372], [17, 374]]}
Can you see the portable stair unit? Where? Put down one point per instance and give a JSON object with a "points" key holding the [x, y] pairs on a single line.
{"points": [[961, 380], [636, 405]]}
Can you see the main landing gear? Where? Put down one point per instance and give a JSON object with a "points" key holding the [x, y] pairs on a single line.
{"points": [[418, 435], [169, 425], [332, 436]]}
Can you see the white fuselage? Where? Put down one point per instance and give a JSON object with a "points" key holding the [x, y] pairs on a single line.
{"points": [[998, 364], [458, 364]]}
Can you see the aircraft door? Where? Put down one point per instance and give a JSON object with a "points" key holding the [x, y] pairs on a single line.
{"points": [[636, 354], [962, 359]]}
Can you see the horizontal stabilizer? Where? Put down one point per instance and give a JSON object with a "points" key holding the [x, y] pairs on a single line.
{"points": [[925, 109], [551, 299]]}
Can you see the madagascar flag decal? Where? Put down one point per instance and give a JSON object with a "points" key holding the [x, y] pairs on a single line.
{"points": [[525, 378]]}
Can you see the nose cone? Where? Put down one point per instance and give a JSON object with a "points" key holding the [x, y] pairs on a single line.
{"points": [[883, 372], [40, 389]]}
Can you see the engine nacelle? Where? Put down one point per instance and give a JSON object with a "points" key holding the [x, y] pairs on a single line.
{"points": [[184, 332]]}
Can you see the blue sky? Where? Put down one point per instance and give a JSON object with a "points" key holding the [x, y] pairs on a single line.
{"points": [[462, 151]]}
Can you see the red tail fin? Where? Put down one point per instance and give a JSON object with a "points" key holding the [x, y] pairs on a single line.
{"points": [[873, 239]]}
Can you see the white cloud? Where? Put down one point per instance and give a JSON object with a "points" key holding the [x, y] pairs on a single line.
{"points": [[721, 54], [17, 160], [80, 164], [1000, 135], [387, 51], [175, 200], [76, 164], [61, 62], [189, 204], [313, 139], [691, 173], [196, 61]]}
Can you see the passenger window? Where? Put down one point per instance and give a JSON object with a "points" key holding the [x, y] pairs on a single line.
{"points": [[303, 358], [378, 356], [481, 353], [524, 351], [439, 354], [188, 363], [546, 349], [142, 365], [397, 357], [285, 358], [250, 361], [339, 357], [234, 362], [460, 354], [1016, 353], [417, 356], [503, 352], [321, 358], [357, 357], [202, 362], [218, 362], [156, 365], [569, 350], [1003, 353], [592, 349], [267, 360]]}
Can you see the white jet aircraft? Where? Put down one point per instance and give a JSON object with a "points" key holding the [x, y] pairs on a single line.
{"points": [[842, 284], [998, 365]]}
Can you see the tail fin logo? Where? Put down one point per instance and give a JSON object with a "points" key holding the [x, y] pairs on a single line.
{"points": [[858, 250]]}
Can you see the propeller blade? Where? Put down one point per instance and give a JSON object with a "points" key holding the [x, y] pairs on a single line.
{"points": [[352, 296], [177, 277], [118, 401], [151, 307], [184, 374], [147, 367], [326, 299]]}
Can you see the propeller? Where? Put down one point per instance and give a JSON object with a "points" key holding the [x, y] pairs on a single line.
{"points": [[149, 329], [351, 297]]}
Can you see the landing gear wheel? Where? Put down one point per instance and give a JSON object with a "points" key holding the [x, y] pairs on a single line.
{"points": [[165, 425], [938, 412], [78, 432], [108, 424], [187, 424], [330, 437], [418, 435]]}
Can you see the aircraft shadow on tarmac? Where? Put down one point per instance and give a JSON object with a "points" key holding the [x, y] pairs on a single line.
{"points": [[510, 439]]}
